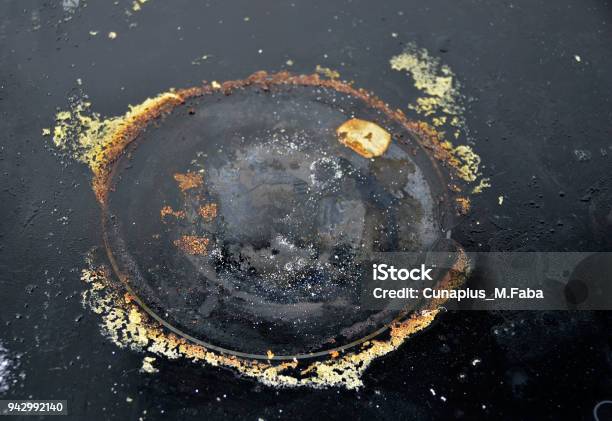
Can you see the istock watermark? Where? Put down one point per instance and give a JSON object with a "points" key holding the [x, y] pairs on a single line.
{"points": [[489, 281]]}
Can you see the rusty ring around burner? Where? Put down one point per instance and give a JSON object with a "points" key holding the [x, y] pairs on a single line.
{"points": [[127, 135]]}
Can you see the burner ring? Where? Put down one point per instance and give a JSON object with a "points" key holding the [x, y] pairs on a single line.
{"points": [[412, 147]]}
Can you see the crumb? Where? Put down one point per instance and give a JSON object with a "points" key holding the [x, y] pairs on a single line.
{"points": [[147, 366]]}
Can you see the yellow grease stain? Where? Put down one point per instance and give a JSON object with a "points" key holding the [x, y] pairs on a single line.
{"points": [[327, 72], [469, 161], [97, 142], [442, 103], [88, 137], [435, 80], [484, 183]]}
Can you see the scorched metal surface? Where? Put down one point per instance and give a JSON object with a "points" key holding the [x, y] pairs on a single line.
{"points": [[280, 215]]}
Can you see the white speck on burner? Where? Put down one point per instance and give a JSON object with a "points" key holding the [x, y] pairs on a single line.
{"points": [[7, 365]]}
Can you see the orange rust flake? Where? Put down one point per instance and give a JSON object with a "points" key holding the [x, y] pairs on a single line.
{"points": [[208, 212], [192, 244], [167, 210], [188, 180], [364, 137], [463, 205]]}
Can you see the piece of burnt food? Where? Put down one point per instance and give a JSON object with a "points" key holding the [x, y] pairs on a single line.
{"points": [[364, 137]]}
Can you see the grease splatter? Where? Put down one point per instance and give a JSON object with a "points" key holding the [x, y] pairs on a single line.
{"points": [[89, 139], [443, 104], [436, 81], [326, 71]]}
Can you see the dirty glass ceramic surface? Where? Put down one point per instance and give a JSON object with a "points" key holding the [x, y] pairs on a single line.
{"points": [[537, 75]]}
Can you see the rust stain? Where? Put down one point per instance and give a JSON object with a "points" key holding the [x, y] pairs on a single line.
{"points": [[192, 244], [188, 180], [167, 210], [208, 212]]}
